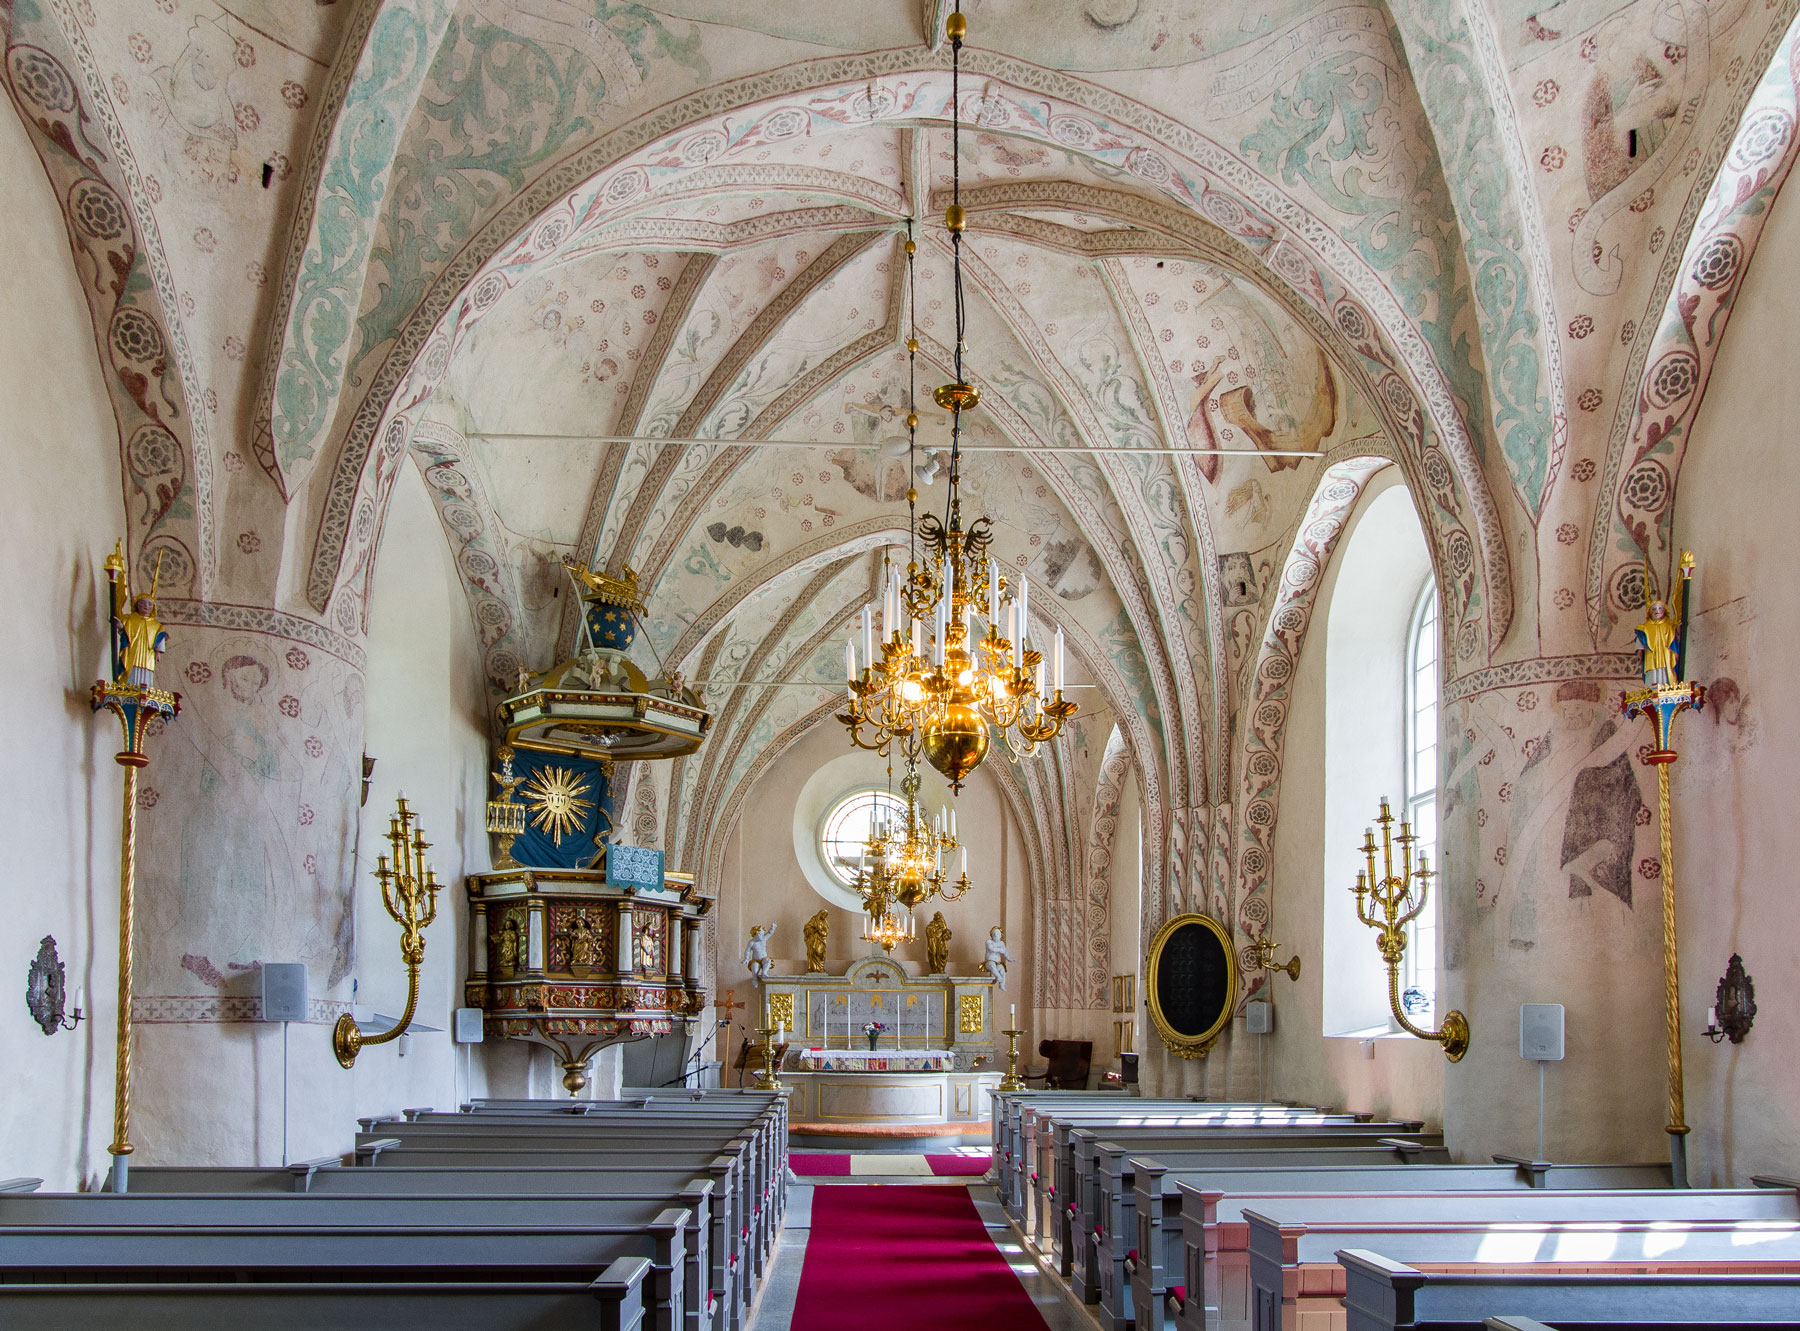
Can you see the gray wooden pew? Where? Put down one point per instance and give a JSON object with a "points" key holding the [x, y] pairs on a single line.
{"points": [[625, 1132], [1101, 1238], [613, 1301], [1189, 1221], [1076, 1196], [632, 1198], [1221, 1281], [370, 1254], [1294, 1270], [1382, 1293], [731, 1279], [1011, 1145]]}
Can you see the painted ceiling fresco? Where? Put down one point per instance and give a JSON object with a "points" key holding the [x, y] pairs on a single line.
{"points": [[519, 244]]}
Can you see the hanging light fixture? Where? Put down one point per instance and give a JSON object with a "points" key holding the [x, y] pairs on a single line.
{"points": [[906, 862], [946, 705]]}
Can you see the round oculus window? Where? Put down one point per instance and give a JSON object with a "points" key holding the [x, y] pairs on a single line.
{"points": [[848, 825]]}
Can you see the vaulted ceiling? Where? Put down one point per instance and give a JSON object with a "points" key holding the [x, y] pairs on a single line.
{"points": [[537, 248]]}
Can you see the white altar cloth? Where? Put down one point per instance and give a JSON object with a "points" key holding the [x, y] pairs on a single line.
{"points": [[874, 1060]]}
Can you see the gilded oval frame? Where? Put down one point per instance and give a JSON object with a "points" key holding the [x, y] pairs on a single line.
{"points": [[1182, 1043]]}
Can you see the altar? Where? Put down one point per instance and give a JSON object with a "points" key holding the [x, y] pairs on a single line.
{"points": [[935, 1059]]}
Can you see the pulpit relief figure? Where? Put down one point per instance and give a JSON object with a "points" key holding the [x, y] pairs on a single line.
{"points": [[508, 947], [756, 951], [996, 957], [937, 945], [818, 932]]}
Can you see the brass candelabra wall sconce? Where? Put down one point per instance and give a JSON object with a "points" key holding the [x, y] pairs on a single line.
{"points": [[409, 890], [1263, 955], [1388, 902], [1734, 1005]]}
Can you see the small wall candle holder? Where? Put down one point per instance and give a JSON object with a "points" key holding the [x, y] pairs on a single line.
{"points": [[45, 991], [1733, 1011]]}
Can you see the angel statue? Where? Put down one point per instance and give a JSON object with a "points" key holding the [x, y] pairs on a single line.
{"points": [[756, 951], [995, 960], [817, 930], [937, 945], [1659, 637]]}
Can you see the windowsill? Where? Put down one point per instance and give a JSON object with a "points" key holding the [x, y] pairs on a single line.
{"points": [[1371, 1033]]}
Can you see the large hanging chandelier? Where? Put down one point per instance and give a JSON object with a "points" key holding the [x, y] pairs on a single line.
{"points": [[943, 682]]}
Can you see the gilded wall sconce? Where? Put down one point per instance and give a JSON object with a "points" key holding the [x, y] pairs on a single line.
{"points": [[1388, 902], [1733, 1011], [409, 890], [1263, 956]]}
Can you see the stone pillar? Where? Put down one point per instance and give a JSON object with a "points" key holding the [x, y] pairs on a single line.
{"points": [[1551, 894], [247, 837]]}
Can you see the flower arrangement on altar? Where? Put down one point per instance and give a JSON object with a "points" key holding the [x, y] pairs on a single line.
{"points": [[873, 1030]]}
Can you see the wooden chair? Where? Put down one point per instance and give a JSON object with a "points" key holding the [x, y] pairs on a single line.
{"points": [[1068, 1063]]}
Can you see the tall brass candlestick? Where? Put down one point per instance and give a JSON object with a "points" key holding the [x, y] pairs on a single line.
{"points": [[138, 639], [1666, 694], [409, 890]]}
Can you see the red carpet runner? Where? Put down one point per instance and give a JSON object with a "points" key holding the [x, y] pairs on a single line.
{"points": [[906, 1258]]}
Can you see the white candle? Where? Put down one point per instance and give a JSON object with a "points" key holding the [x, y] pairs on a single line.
{"points": [[1012, 622], [1012, 1015], [953, 824], [1040, 677], [80, 996], [849, 660], [962, 866], [868, 636], [1024, 609], [1057, 672], [1712, 1017], [918, 639], [994, 592]]}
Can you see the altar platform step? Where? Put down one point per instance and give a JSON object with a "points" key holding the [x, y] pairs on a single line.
{"points": [[887, 1165], [914, 1138]]}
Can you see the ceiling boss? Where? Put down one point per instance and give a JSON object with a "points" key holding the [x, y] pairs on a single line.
{"points": [[940, 686]]}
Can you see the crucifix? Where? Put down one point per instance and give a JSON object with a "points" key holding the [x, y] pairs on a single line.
{"points": [[725, 1004]]}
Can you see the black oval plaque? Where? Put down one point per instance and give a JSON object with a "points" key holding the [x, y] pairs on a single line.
{"points": [[1192, 982]]}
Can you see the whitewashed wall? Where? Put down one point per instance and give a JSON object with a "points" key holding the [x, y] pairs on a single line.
{"points": [[1737, 886], [59, 788]]}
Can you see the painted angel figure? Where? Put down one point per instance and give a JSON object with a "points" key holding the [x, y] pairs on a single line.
{"points": [[996, 956], [139, 638], [756, 951]]}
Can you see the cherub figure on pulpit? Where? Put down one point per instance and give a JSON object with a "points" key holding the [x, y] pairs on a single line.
{"points": [[996, 957], [818, 932], [756, 951]]}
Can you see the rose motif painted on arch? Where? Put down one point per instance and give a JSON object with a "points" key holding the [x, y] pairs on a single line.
{"points": [[1351, 320], [1764, 136], [1583, 470], [198, 672], [785, 123], [487, 291], [1627, 590], [41, 80], [1436, 468], [1078, 133], [297, 659], [290, 706], [701, 148], [136, 337], [294, 95], [1590, 399], [1718, 261], [1553, 158], [315, 747], [153, 451], [1672, 378], [1647, 486], [1563, 599], [1580, 326], [97, 212], [1567, 534], [306, 815]]}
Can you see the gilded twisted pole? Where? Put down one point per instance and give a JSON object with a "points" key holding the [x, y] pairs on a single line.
{"points": [[1388, 902], [137, 641], [409, 889], [1666, 694]]}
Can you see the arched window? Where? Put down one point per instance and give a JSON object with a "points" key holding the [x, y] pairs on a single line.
{"points": [[1421, 729], [849, 823]]}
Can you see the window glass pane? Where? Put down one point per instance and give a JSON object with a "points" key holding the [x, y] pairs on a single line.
{"points": [[848, 826], [1419, 970]]}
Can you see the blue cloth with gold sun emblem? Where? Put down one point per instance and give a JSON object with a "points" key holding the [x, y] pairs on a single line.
{"points": [[568, 810], [611, 626]]}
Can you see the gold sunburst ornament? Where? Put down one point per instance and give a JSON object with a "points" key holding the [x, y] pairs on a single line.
{"points": [[554, 796]]}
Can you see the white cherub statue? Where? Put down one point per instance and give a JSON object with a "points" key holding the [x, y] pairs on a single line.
{"points": [[996, 957], [756, 951]]}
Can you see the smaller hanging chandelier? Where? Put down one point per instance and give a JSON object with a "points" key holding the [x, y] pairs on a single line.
{"points": [[905, 863]]}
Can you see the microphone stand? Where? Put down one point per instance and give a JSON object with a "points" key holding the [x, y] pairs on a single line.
{"points": [[696, 1057]]}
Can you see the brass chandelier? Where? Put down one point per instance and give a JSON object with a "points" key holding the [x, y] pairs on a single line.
{"points": [[905, 863], [942, 682]]}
